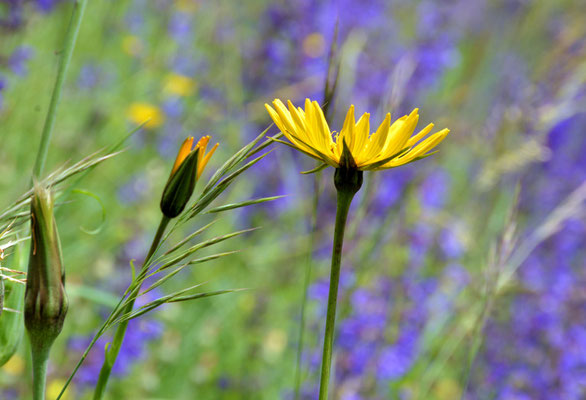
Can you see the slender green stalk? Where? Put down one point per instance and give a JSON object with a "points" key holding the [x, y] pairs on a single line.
{"points": [[70, 39], [307, 279], [40, 358], [344, 199], [116, 345]]}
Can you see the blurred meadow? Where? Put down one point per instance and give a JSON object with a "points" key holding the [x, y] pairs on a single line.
{"points": [[463, 274]]}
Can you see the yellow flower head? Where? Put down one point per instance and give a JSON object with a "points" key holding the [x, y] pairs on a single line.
{"points": [[202, 158], [390, 146], [144, 112], [179, 85], [132, 45], [314, 45]]}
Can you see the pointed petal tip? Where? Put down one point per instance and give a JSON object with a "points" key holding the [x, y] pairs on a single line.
{"points": [[278, 103]]}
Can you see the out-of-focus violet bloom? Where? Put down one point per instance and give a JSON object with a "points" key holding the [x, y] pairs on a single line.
{"points": [[138, 335], [18, 60], [180, 27], [396, 360], [390, 189], [133, 190], [434, 190], [450, 244], [89, 75], [47, 6]]}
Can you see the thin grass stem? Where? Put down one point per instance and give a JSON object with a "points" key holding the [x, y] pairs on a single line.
{"points": [[70, 39]]}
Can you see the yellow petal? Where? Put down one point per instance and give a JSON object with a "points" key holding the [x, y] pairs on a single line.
{"points": [[298, 118], [419, 150], [399, 133], [347, 132], [378, 139], [285, 116], [184, 151], [419, 136], [362, 131], [201, 165], [286, 131], [202, 144], [324, 129], [275, 117], [312, 128], [428, 144]]}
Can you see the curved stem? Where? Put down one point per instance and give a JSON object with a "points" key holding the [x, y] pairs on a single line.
{"points": [[112, 352], [344, 200], [70, 39]]}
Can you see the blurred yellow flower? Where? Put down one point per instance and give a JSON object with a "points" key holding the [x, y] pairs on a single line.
{"points": [[187, 6], [54, 389], [141, 112], [202, 158], [390, 146], [314, 45], [132, 45], [447, 389], [274, 343], [14, 366], [179, 85]]}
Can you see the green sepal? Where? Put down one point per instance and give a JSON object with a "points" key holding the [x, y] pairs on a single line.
{"points": [[386, 160], [346, 159], [316, 169]]}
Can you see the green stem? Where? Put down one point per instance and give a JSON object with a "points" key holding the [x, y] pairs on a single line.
{"points": [[40, 359], [307, 279], [70, 39], [118, 339], [345, 196]]}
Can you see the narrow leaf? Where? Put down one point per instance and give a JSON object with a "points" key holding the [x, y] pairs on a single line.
{"points": [[244, 204]]}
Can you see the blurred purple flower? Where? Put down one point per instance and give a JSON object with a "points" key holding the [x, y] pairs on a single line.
{"points": [[134, 189], [434, 190], [88, 76], [396, 360], [47, 6], [180, 27], [450, 244], [18, 60]]}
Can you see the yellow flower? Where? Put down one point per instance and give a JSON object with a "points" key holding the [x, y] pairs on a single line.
{"points": [[132, 45], [202, 158], [314, 45], [179, 85], [390, 146], [54, 389], [141, 112], [187, 6]]}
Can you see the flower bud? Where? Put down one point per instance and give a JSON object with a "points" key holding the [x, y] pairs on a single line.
{"points": [[180, 186], [188, 167], [45, 299]]}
